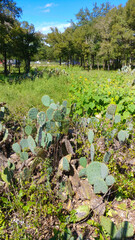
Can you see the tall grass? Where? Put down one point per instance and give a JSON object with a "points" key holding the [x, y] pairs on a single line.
{"points": [[20, 97]]}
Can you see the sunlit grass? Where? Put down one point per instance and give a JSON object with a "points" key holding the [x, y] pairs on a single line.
{"points": [[22, 96]]}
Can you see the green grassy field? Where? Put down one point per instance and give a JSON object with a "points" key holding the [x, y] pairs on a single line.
{"points": [[57, 83]]}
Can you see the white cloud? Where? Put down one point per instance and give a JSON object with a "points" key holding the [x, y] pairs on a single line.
{"points": [[46, 27], [48, 5]]}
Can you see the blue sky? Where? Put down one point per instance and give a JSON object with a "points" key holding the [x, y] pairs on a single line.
{"points": [[44, 14]]}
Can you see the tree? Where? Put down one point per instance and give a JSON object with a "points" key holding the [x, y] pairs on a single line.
{"points": [[26, 43], [56, 40], [8, 13]]}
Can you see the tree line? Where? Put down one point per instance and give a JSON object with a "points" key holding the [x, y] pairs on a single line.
{"points": [[103, 37]]}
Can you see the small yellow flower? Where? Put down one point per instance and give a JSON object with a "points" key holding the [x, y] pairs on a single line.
{"points": [[86, 79], [80, 76]]}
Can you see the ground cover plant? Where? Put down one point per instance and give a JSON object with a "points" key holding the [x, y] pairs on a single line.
{"points": [[93, 93], [68, 174]]}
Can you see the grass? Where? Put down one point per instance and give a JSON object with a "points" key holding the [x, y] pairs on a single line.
{"points": [[20, 97]]}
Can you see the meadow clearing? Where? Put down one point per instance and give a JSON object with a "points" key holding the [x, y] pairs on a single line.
{"points": [[67, 153]]}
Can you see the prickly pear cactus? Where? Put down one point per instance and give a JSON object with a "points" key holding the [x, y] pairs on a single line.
{"points": [[97, 174], [83, 161], [28, 130], [48, 125], [124, 231], [90, 136], [33, 113], [16, 148], [123, 135], [46, 100], [41, 118]]}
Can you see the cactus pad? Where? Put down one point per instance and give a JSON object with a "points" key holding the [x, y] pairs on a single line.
{"points": [[31, 144], [16, 148], [33, 113], [93, 171], [82, 172], [41, 118], [46, 100], [28, 130], [49, 113], [23, 156], [104, 171], [92, 152], [123, 135], [83, 161], [100, 186], [110, 180], [90, 136]]}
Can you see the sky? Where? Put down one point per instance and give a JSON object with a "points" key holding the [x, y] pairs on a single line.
{"points": [[44, 14]]}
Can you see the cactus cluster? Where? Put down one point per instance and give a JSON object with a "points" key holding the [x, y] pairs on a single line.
{"points": [[47, 125], [97, 174], [124, 231]]}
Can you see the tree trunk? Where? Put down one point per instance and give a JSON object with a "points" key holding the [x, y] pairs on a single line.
{"points": [[108, 64], [81, 61], [73, 61], [9, 65], [5, 63], [60, 61], [98, 65], [93, 61], [27, 65]]}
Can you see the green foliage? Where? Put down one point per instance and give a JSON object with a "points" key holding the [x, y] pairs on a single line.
{"points": [[94, 94]]}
